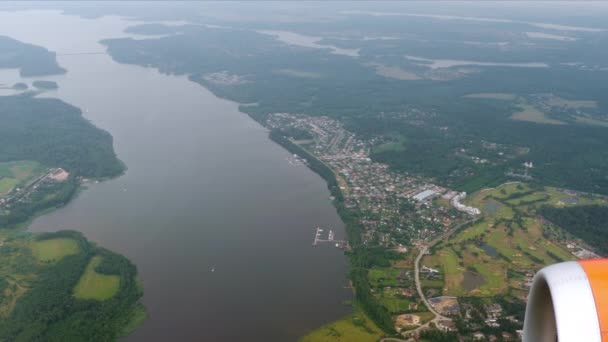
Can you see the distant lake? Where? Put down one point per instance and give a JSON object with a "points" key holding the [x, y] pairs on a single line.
{"points": [[205, 190], [448, 63], [309, 42]]}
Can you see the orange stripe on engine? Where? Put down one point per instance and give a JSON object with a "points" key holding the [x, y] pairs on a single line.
{"points": [[597, 273]]}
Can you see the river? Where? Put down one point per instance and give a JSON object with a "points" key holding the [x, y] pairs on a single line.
{"points": [[205, 189]]}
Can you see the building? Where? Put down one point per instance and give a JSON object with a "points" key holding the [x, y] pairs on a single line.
{"points": [[425, 195]]}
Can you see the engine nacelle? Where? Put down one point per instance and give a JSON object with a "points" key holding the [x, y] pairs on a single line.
{"points": [[568, 302]]}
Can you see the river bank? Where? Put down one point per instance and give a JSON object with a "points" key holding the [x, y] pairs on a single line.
{"points": [[205, 189]]}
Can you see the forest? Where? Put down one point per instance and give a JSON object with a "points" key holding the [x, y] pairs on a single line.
{"points": [[434, 117], [31, 60], [588, 222], [48, 311], [55, 134]]}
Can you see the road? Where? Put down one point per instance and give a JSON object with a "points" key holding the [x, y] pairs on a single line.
{"points": [[438, 317], [423, 251]]}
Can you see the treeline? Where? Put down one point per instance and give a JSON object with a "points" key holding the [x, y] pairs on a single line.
{"points": [[588, 222], [30, 59], [55, 134], [48, 311], [313, 163]]}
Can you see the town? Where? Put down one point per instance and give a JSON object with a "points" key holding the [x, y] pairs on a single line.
{"points": [[411, 216]]}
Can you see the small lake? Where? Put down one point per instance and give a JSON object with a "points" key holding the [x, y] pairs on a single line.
{"points": [[491, 206], [297, 39], [491, 251], [472, 281], [448, 63]]}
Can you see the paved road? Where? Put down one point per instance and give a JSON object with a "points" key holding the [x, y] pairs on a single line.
{"points": [[417, 267], [438, 316]]}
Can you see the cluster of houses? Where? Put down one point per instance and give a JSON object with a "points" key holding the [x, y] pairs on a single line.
{"points": [[371, 187]]}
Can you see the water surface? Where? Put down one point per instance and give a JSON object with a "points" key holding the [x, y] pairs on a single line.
{"points": [[205, 189]]}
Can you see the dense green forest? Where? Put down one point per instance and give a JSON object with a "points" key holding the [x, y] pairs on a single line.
{"points": [[45, 85], [55, 134], [31, 60], [433, 117], [590, 223], [49, 311]]}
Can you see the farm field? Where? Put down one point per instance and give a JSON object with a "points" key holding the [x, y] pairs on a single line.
{"points": [[93, 285], [50, 250], [532, 114], [18, 173], [498, 254], [355, 327], [492, 96]]}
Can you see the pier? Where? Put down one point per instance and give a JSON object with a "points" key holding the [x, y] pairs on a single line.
{"points": [[342, 244]]}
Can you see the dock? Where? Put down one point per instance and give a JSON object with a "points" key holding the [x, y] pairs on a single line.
{"points": [[331, 238]]}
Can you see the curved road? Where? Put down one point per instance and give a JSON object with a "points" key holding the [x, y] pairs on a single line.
{"points": [[438, 316], [423, 251]]}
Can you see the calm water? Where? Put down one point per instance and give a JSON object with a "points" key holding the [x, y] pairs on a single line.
{"points": [[205, 189], [472, 281]]}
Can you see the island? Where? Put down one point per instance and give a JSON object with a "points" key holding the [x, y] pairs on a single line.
{"points": [[45, 85], [31, 60], [20, 86]]}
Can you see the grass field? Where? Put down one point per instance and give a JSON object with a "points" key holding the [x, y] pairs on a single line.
{"points": [[589, 121], [93, 285], [16, 173], [353, 328], [492, 96], [560, 102], [7, 184], [54, 249], [397, 145], [394, 303], [394, 72], [530, 113], [385, 276], [513, 231]]}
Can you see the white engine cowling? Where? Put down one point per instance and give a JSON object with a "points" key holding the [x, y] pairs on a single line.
{"points": [[567, 303]]}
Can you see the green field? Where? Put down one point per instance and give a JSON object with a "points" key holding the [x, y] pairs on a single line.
{"points": [[353, 328], [93, 285], [36, 298], [7, 184], [54, 249], [394, 303], [492, 96], [397, 145], [17, 173], [589, 121], [530, 113], [385, 276]]}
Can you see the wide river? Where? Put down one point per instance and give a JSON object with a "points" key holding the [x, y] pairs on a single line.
{"points": [[205, 189]]}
